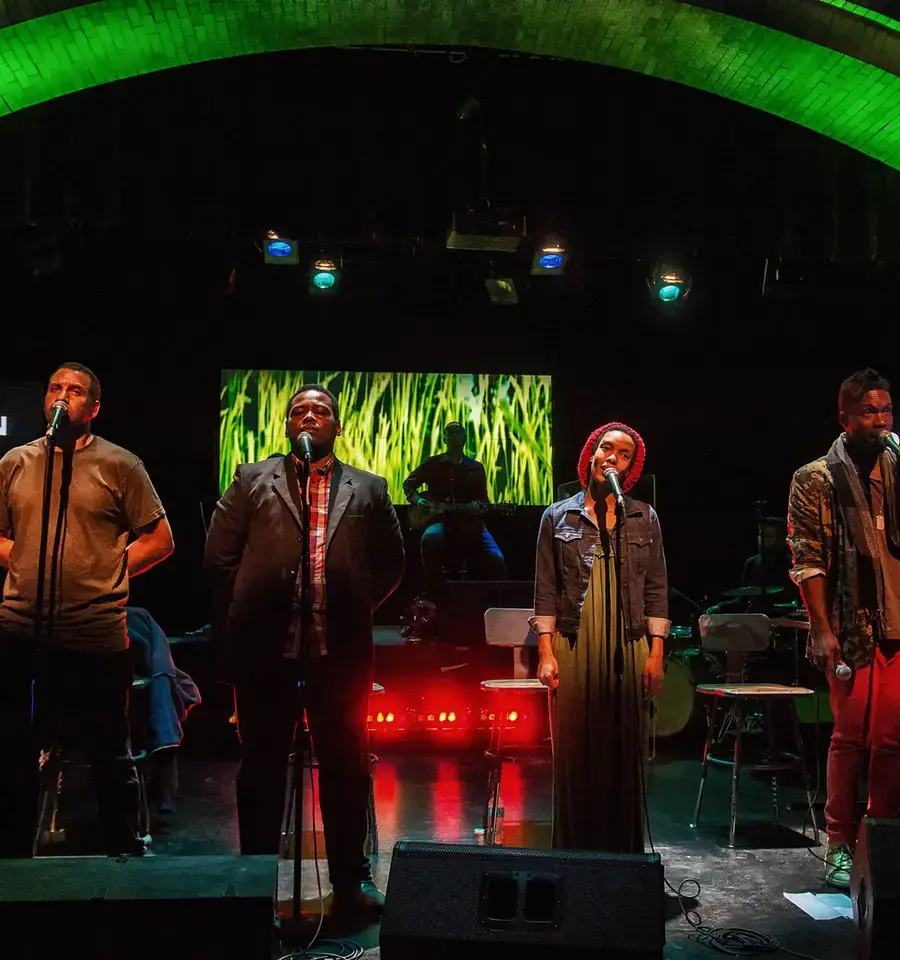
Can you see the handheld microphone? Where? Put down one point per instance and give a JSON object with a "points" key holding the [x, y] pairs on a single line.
{"points": [[890, 441], [842, 671], [57, 412], [612, 478], [304, 444]]}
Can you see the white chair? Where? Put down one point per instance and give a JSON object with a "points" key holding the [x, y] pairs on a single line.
{"points": [[505, 627], [736, 635]]}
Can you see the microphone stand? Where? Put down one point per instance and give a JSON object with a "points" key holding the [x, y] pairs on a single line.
{"points": [[623, 620], [299, 733], [49, 453]]}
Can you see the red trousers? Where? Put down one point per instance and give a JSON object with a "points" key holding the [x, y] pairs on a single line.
{"points": [[866, 720]]}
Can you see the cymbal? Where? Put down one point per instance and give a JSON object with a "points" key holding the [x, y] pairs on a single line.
{"points": [[790, 623], [751, 591]]}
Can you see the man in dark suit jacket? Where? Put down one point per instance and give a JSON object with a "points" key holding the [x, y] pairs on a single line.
{"points": [[253, 553]]}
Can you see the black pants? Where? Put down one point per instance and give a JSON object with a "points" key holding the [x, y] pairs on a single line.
{"points": [[336, 696], [71, 700]]}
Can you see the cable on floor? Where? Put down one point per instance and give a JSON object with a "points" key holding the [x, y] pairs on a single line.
{"points": [[316, 949]]}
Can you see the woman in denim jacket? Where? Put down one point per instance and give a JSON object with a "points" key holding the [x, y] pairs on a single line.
{"points": [[601, 645]]}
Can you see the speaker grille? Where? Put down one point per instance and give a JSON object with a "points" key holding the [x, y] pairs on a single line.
{"points": [[579, 900]]}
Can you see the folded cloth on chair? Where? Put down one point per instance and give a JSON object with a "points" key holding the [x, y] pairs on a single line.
{"points": [[172, 693]]}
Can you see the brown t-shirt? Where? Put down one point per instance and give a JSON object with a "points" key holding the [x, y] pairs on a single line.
{"points": [[110, 496], [890, 562]]}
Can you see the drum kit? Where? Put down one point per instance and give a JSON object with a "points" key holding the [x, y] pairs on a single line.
{"points": [[687, 664]]}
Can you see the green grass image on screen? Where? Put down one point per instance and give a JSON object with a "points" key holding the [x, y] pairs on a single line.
{"points": [[393, 421]]}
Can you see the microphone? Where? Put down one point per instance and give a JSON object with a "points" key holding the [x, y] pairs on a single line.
{"points": [[304, 443], [612, 478], [890, 441], [57, 412], [842, 671]]}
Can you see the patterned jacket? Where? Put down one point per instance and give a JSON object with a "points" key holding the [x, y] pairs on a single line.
{"points": [[821, 544]]}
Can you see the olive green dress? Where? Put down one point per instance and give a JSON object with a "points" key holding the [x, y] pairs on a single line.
{"points": [[599, 736]]}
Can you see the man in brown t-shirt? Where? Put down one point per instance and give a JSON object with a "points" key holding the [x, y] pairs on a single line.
{"points": [[75, 651]]}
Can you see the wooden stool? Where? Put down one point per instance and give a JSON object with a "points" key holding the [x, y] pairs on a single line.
{"points": [[504, 691], [739, 695]]}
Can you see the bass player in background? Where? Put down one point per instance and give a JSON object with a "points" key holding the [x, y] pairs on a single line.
{"points": [[456, 498]]}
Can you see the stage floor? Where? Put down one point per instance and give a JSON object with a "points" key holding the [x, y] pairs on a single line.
{"points": [[439, 797]]}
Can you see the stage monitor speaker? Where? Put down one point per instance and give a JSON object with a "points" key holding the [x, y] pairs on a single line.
{"points": [[875, 889], [176, 908], [455, 900]]}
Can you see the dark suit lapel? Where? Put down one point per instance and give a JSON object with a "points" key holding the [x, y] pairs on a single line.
{"points": [[285, 483], [341, 494]]}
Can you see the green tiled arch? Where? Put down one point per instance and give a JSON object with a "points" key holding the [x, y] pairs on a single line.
{"points": [[827, 91]]}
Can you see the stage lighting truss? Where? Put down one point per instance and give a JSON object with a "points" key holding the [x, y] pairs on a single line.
{"points": [[279, 250], [549, 259], [668, 283]]}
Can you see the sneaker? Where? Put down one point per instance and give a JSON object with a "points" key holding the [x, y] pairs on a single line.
{"points": [[838, 864]]}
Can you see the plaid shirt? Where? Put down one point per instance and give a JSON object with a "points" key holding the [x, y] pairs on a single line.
{"points": [[319, 496]]}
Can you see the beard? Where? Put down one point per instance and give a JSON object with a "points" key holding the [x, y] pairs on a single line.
{"points": [[67, 433]]}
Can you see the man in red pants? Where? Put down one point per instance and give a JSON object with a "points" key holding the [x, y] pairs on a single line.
{"points": [[844, 531]]}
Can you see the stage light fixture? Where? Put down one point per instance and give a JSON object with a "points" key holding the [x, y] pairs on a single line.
{"points": [[280, 251], [501, 290], [324, 277], [549, 259], [668, 283]]}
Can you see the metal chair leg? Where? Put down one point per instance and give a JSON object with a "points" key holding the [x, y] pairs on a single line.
{"points": [[143, 798], [736, 772], [704, 765], [795, 719], [492, 801]]}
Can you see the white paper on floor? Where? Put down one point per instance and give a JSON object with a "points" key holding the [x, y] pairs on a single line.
{"points": [[823, 906]]}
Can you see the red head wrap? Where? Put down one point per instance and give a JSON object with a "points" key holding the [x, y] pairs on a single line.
{"points": [[587, 451]]}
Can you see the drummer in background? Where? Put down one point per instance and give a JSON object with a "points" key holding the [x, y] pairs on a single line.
{"points": [[766, 586]]}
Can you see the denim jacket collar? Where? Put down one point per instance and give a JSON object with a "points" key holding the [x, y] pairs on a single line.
{"points": [[576, 504]]}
